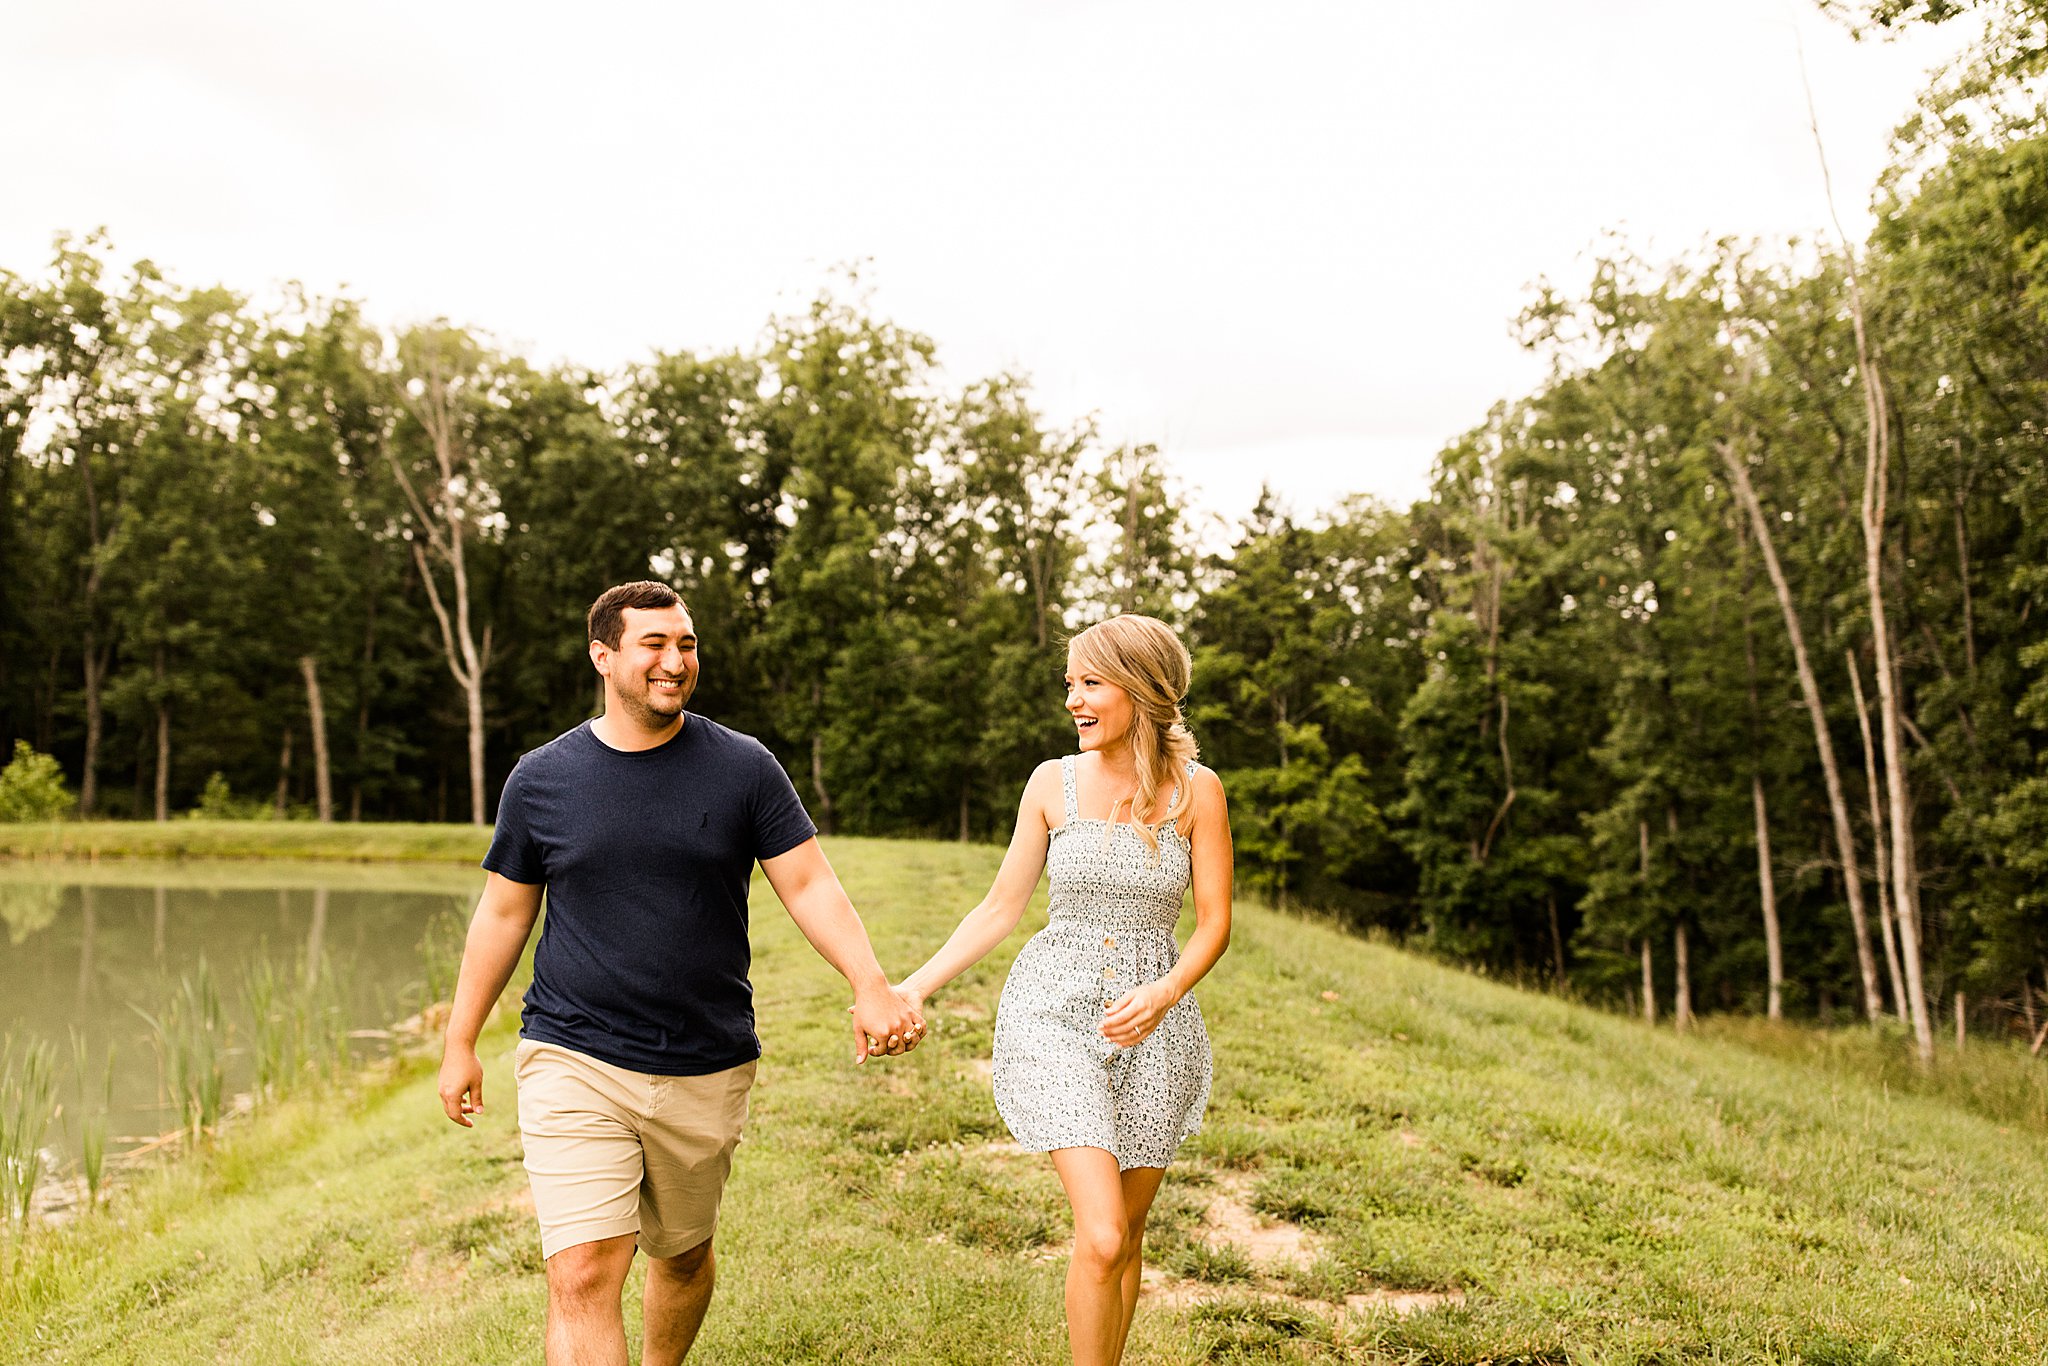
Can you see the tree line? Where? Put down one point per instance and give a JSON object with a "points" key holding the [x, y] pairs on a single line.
{"points": [[1709, 675]]}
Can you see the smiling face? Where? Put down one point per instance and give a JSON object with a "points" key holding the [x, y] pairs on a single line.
{"points": [[650, 676], [1101, 710]]}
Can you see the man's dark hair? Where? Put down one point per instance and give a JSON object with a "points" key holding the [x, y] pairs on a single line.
{"points": [[608, 614]]}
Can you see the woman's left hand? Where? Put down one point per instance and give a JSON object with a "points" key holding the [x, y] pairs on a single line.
{"points": [[1131, 1020]]}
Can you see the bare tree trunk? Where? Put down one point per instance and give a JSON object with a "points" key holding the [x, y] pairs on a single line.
{"points": [[163, 741], [1961, 1016], [96, 662], [1556, 939], [1886, 926], [323, 780], [1643, 879], [1905, 894], [2041, 1034], [355, 795], [143, 747], [1809, 688], [445, 530], [1766, 884], [1876, 483], [1681, 1006], [818, 784], [474, 696], [1487, 608], [98, 657], [1774, 948], [284, 772], [1036, 555], [966, 808]]}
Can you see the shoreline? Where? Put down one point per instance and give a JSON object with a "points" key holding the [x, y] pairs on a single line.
{"points": [[92, 842], [60, 1198]]}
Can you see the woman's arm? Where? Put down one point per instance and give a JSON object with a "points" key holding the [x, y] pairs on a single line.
{"points": [[988, 924], [1138, 1012]]}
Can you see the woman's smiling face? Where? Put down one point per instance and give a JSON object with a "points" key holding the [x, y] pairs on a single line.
{"points": [[1101, 710]]}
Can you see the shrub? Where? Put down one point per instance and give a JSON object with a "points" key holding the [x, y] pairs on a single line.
{"points": [[218, 802], [32, 787]]}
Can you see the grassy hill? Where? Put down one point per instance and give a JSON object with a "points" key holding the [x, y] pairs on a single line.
{"points": [[1402, 1163]]}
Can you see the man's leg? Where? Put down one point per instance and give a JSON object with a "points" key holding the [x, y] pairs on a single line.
{"points": [[586, 1322], [688, 1143], [672, 1307]]}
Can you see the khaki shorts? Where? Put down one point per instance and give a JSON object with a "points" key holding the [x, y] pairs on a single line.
{"points": [[611, 1151]]}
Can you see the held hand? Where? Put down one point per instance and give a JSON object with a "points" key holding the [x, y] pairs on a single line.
{"points": [[884, 1021], [1137, 1013], [462, 1083]]}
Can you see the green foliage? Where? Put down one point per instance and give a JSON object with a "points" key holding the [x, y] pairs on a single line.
{"points": [[218, 802], [1524, 720], [32, 787]]}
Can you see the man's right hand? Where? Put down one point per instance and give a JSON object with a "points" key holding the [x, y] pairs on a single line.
{"points": [[462, 1082], [497, 936], [884, 1024]]}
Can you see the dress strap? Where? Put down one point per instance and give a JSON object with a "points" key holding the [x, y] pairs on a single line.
{"points": [[1068, 793]]}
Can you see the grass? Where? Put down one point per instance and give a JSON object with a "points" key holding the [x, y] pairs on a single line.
{"points": [[28, 1088], [1595, 1193], [191, 1038], [95, 1091], [216, 839]]}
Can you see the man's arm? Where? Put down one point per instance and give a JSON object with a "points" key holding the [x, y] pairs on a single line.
{"points": [[497, 936], [811, 893]]}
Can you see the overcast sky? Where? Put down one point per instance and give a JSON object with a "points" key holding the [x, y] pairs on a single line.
{"points": [[1282, 240]]}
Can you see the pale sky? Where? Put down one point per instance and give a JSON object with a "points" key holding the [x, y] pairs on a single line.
{"points": [[1282, 240]]}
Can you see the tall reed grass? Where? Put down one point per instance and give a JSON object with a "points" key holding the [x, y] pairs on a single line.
{"points": [[298, 1023], [28, 1104], [92, 1118], [191, 1039], [440, 950]]}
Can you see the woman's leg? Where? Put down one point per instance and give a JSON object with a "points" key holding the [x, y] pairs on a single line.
{"points": [[1140, 1185], [1095, 1274]]}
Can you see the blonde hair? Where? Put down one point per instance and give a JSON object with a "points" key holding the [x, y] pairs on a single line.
{"points": [[1144, 657]]}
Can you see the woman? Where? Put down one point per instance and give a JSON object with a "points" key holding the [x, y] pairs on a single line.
{"points": [[1100, 1054]]}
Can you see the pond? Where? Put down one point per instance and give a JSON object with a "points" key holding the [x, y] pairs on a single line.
{"points": [[91, 954]]}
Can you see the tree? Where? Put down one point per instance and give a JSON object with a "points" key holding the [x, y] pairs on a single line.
{"points": [[843, 428], [449, 471], [1285, 639]]}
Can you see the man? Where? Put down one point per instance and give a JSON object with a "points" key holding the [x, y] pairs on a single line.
{"points": [[637, 1043]]}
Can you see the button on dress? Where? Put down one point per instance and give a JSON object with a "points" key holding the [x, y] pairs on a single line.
{"points": [[1058, 1082]]}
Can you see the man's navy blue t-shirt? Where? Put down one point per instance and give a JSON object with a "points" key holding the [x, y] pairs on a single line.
{"points": [[646, 856]]}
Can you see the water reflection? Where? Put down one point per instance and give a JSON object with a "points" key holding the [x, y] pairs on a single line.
{"points": [[94, 950]]}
